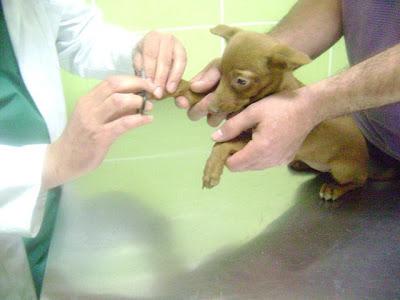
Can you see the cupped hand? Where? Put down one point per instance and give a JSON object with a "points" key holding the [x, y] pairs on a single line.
{"points": [[204, 82], [163, 58], [280, 124], [99, 118]]}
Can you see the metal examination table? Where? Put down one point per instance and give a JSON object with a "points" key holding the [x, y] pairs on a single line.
{"points": [[263, 235]]}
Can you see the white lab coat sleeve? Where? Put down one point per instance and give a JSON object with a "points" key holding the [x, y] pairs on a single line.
{"points": [[89, 47], [22, 203]]}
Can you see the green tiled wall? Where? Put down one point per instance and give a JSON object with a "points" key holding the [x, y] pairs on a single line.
{"points": [[189, 21]]}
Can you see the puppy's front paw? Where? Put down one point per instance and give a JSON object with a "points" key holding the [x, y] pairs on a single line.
{"points": [[212, 173], [332, 191], [210, 180]]}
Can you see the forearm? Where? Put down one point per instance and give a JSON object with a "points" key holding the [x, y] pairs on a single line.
{"points": [[311, 26], [372, 83], [88, 46]]}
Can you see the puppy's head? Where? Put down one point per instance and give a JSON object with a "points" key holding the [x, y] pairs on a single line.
{"points": [[253, 66]]}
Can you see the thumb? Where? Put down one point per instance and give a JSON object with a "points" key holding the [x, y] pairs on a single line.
{"points": [[233, 127], [206, 80]]}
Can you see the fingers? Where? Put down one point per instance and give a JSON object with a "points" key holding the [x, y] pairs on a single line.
{"points": [[243, 160], [150, 49], [234, 126], [164, 60], [215, 119], [138, 62], [120, 104], [200, 110], [116, 128], [182, 102], [207, 79], [178, 67], [121, 84], [255, 157], [203, 82]]}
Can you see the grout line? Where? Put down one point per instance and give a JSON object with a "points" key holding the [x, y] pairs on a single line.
{"points": [[257, 23], [205, 26], [185, 28], [163, 155], [330, 62]]}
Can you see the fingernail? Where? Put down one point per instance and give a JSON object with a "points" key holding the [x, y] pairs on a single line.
{"points": [[197, 83], [149, 106], [158, 92], [217, 135], [182, 103], [171, 87]]}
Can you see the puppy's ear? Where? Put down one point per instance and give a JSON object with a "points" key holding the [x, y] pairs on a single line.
{"points": [[225, 31], [284, 57]]}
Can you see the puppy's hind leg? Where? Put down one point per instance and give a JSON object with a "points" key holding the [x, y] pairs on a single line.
{"points": [[349, 175]]}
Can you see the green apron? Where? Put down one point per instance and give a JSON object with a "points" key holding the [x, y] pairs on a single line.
{"points": [[22, 124]]}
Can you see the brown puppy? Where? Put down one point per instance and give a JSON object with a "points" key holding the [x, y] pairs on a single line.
{"points": [[255, 65]]}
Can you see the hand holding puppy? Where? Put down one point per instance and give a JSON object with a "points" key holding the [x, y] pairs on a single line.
{"points": [[204, 82], [280, 123]]}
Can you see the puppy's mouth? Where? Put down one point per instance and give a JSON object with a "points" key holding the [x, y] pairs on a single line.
{"points": [[228, 108]]}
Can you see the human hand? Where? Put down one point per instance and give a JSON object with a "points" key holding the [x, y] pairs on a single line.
{"points": [[280, 124], [204, 82], [100, 117], [163, 59]]}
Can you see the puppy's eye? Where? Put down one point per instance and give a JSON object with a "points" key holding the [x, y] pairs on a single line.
{"points": [[242, 81]]}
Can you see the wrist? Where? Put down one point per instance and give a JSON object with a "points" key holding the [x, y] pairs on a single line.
{"points": [[309, 105], [53, 172]]}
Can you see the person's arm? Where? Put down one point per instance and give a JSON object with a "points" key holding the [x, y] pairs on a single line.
{"points": [[99, 118], [90, 47], [311, 26], [283, 120], [372, 83]]}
